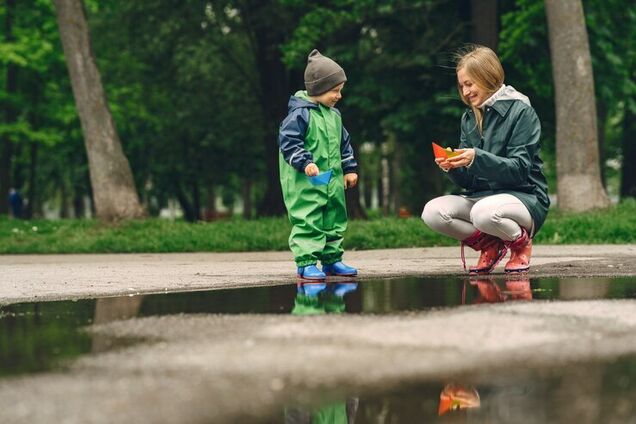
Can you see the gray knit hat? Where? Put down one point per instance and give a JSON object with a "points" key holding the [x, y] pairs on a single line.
{"points": [[322, 74]]}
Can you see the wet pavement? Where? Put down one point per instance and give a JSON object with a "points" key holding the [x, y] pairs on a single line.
{"points": [[400, 350], [26, 278]]}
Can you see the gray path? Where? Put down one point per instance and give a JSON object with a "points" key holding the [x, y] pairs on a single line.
{"points": [[231, 369], [244, 368], [55, 277]]}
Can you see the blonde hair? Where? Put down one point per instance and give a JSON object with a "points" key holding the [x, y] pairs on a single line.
{"points": [[483, 66]]}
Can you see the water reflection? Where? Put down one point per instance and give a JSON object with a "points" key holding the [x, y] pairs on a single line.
{"points": [[36, 336], [578, 393], [317, 298], [491, 291], [113, 309], [456, 397]]}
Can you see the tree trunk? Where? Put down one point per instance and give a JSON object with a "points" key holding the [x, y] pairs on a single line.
{"points": [[354, 208], [602, 118], [628, 173], [247, 198], [485, 23], [188, 210], [210, 202], [114, 192], [273, 93], [353, 196], [78, 205], [367, 192], [379, 186], [64, 209], [386, 187], [32, 207], [579, 185], [6, 144], [196, 200]]}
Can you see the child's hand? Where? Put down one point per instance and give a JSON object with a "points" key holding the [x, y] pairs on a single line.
{"points": [[312, 170], [350, 180]]}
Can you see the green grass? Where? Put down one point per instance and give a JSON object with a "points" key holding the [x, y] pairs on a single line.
{"points": [[614, 225]]}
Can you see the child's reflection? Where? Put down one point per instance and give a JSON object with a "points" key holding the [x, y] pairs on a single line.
{"points": [[314, 298]]}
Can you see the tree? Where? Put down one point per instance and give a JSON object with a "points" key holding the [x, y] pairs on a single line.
{"points": [[485, 23], [6, 142], [401, 90], [114, 192], [579, 185]]}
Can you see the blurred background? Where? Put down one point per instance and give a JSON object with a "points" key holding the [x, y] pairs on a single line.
{"points": [[197, 90]]}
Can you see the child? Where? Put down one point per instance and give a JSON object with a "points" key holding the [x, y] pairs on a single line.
{"points": [[313, 141]]}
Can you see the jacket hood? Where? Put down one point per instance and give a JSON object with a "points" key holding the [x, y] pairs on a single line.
{"points": [[506, 92], [298, 100]]}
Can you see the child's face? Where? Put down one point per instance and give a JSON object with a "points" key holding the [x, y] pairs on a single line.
{"points": [[331, 97], [475, 94]]}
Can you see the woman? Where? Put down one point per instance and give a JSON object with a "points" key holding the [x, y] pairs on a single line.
{"points": [[505, 201]]}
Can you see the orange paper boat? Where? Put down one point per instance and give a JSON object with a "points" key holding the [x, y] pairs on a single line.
{"points": [[455, 397], [440, 152]]}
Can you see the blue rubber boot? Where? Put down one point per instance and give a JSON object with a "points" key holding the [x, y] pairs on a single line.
{"points": [[339, 269], [311, 288], [340, 289], [311, 272]]}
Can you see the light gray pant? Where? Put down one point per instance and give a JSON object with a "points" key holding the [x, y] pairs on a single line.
{"points": [[501, 215]]}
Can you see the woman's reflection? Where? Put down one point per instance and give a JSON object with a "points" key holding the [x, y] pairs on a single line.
{"points": [[488, 290]]}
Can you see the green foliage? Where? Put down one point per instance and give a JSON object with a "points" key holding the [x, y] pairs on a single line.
{"points": [[45, 135], [400, 92], [181, 86], [37, 337], [184, 84], [615, 225], [523, 47]]}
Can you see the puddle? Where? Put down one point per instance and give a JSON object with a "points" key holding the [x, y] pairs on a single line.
{"points": [[585, 393], [36, 337]]}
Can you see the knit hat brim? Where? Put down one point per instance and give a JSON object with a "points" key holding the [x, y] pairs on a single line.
{"points": [[324, 84], [322, 74]]}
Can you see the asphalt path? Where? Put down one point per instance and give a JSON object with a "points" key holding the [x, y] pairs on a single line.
{"points": [[247, 368], [57, 277]]}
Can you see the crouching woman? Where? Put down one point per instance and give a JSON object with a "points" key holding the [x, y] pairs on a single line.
{"points": [[505, 198]]}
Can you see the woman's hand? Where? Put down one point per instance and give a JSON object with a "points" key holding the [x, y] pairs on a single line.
{"points": [[465, 158], [350, 180], [443, 163]]}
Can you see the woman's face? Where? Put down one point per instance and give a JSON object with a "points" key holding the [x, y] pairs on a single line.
{"points": [[475, 94]]}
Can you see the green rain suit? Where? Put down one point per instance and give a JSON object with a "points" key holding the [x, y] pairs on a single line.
{"points": [[313, 133]]}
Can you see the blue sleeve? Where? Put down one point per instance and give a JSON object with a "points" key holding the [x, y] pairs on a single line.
{"points": [[349, 164], [291, 139]]}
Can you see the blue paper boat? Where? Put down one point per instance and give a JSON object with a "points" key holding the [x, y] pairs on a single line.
{"points": [[321, 179]]}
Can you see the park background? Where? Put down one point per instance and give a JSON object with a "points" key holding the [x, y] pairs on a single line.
{"points": [[177, 106]]}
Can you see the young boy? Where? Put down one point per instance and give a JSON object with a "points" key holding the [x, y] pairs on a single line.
{"points": [[313, 141]]}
